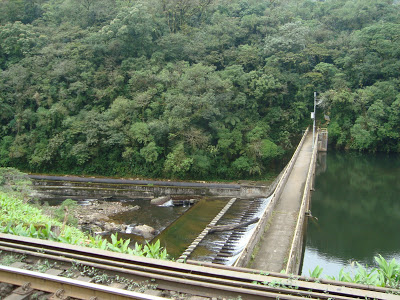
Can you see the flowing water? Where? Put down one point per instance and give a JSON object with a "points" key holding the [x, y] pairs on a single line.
{"points": [[357, 203], [225, 247], [180, 234]]}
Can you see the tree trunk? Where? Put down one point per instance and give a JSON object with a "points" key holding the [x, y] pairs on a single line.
{"points": [[233, 226]]}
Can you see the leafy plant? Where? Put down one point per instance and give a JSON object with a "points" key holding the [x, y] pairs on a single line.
{"points": [[21, 219], [137, 250], [155, 251], [386, 274], [389, 272], [316, 273], [363, 276], [15, 183], [343, 276]]}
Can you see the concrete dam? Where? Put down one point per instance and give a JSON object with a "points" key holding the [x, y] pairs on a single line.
{"points": [[263, 224]]}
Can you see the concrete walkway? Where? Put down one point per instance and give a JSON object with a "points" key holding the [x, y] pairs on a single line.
{"points": [[275, 244]]}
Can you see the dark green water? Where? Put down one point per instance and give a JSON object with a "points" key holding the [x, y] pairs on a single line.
{"points": [[357, 203]]}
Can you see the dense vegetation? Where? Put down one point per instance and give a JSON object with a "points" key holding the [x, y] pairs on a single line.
{"points": [[194, 88]]}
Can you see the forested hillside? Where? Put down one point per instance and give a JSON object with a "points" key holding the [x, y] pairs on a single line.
{"points": [[192, 88]]}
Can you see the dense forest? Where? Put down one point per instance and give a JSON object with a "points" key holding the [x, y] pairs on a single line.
{"points": [[192, 88]]}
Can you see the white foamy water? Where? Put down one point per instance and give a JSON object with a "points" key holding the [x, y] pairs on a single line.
{"points": [[167, 204], [236, 246]]}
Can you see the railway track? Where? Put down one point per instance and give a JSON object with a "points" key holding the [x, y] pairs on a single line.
{"points": [[78, 271]]}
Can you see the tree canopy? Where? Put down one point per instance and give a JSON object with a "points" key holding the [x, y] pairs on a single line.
{"points": [[194, 88]]}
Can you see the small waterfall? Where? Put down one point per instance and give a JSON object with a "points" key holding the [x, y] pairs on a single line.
{"points": [[225, 247], [129, 229], [169, 203], [85, 202]]}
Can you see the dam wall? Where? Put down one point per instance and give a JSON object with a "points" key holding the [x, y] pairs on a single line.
{"points": [[48, 186]]}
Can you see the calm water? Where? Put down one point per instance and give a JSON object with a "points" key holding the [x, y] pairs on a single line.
{"points": [[357, 203]]}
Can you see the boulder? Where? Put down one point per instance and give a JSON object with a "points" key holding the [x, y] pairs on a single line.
{"points": [[146, 231], [110, 227], [95, 229], [122, 227], [160, 200]]}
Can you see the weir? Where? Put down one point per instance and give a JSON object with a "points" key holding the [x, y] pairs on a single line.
{"points": [[231, 243], [223, 247], [73, 186], [273, 242]]}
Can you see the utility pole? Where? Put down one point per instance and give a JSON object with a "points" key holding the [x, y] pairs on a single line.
{"points": [[313, 117]]}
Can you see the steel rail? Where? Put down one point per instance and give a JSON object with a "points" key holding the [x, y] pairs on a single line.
{"points": [[97, 265], [297, 277], [66, 287], [175, 281], [192, 279]]}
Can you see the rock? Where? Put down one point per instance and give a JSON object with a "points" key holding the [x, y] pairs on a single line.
{"points": [[122, 228], [95, 229], [103, 233], [110, 227], [100, 224], [96, 217], [160, 200], [144, 230]]}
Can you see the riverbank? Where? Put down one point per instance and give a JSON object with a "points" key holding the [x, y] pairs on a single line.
{"points": [[95, 216]]}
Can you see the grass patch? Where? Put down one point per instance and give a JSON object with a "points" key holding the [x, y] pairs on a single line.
{"points": [[17, 217]]}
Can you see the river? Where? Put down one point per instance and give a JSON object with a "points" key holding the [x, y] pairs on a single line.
{"points": [[357, 203]]}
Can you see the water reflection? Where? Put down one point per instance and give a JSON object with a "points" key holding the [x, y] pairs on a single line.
{"points": [[357, 204]]}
